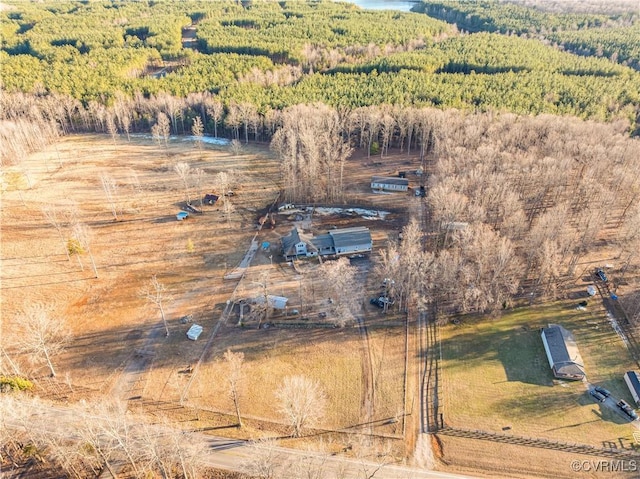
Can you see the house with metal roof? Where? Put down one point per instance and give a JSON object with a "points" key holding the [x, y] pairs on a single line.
{"points": [[297, 244], [384, 183], [337, 242], [562, 352]]}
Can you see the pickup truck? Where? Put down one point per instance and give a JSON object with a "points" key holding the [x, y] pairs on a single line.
{"points": [[628, 410]]}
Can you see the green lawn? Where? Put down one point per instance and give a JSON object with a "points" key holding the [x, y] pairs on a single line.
{"points": [[496, 375]]}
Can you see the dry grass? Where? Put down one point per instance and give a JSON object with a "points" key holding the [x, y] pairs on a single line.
{"points": [[110, 321]]}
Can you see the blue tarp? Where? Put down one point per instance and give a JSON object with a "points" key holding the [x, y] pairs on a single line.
{"points": [[265, 245], [182, 215]]}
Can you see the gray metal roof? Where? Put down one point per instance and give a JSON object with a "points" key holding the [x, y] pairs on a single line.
{"points": [[290, 240], [633, 379], [390, 180], [563, 350], [322, 242], [358, 235]]}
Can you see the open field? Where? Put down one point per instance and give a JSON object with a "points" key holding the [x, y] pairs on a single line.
{"points": [[497, 377], [119, 347]]}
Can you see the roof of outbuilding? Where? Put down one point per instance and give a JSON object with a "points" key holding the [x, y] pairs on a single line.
{"points": [[390, 180], [635, 382], [322, 242], [563, 350], [357, 235]]}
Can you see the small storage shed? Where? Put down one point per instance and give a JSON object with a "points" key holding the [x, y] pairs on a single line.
{"points": [[194, 332]]}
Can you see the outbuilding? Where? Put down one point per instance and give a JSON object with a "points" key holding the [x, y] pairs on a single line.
{"points": [[633, 383], [351, 240], [385, 183], [562, 353]]}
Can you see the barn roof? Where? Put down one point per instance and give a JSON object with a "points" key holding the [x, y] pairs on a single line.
{"points": [[563, 350], [390, 180], [357, 235]]}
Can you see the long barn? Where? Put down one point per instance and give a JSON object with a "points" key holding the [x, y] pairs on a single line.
{"points": [[562, 353]]}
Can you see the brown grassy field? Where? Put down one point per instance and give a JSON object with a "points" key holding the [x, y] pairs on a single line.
{"points": [[113, 327]]}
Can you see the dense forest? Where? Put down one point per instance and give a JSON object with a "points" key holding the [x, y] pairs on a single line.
{"points": [[274, 55], [610, 32]]}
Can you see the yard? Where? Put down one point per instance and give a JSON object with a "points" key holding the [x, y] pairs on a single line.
{"points": [[118, 345], [497, 377]]}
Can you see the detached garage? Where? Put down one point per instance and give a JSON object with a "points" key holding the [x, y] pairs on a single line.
{"points": [[562, 353]]}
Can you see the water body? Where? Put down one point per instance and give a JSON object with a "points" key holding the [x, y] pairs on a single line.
{"points": [[401, 5]]}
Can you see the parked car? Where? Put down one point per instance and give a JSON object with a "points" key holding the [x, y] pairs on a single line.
{"points": [[603, 391], [601, 275], [628, 410], [597, 395], [381, 302]]}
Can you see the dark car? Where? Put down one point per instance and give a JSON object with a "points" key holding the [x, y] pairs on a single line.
{"points": [[628, 410], [603, 391], [601, 274], [597, 395], [377, 302]]}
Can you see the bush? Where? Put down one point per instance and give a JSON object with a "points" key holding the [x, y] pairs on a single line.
{"points": [[375, 148], [15, 383]]}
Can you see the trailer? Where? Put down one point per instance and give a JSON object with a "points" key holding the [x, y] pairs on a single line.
{"points": [[633, 383]]}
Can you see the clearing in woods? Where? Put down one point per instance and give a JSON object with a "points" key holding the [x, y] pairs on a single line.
{"points": [[119, 345]]}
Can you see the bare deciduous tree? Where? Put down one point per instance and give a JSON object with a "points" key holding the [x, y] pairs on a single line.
{"points": [[235, 362], [265, 461], [156, 293], [302, 402], [162, 129], [55, 219], [40, 334], [235, 147], [199, 175], [183, 170], [81, 241], [222, 184], [197, 130], [340, 277], [110, 188], [214, 110]]}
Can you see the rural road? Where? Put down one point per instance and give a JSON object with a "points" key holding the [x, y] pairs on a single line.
{"points": [[234, 455]]}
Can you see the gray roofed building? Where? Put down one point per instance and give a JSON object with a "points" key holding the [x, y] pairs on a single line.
{"points": [[297, 244], [336, 242], [351, 240], [385, 183], [562, 353], [324, 244], [633, 383]]}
